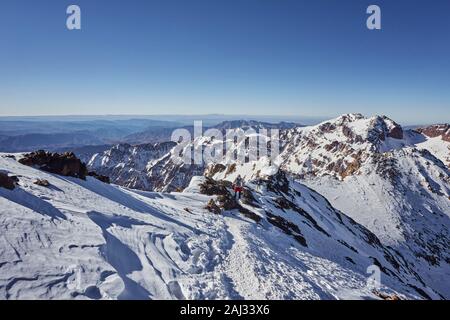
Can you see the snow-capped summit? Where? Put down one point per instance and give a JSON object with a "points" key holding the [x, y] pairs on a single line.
{"points": [[338, 147]]}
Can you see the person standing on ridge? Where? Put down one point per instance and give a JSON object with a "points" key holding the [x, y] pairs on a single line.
{"points": [[238, 186]]}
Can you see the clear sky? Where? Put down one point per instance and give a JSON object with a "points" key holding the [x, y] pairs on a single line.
{"points": [[280, 57]]}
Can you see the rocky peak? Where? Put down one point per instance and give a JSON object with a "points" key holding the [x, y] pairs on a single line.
{"points": [[355, 127], [381, 127], [339, 147]]}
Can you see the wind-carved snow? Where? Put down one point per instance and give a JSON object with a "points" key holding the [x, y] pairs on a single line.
{"points": [[89, 240]]}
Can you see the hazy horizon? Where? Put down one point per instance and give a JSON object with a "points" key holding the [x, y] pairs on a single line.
{"points": [[189, 118]]}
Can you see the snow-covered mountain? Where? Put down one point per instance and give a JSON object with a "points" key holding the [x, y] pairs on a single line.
{"points": [[337, 148], [340, 146], [74, 238], [134, 166], [394, 182], [387, 179], [151, 167]]}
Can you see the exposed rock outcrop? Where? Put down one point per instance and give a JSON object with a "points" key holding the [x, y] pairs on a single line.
{"points": [[66, 164], [212, 187], [6, 181], [225, 199]]}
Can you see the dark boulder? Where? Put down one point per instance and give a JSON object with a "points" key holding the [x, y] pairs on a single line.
{"points": [[248, 198], [249, 214], [283, 203], [212, 187], [66, 164], [225, 199], [7, 182]]}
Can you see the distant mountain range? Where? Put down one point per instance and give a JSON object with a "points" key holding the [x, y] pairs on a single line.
{"points": [[158, 134], [49, 134]]}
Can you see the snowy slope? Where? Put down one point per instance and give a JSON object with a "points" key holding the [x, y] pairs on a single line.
{"points": [[438, 147], [86, 239]]}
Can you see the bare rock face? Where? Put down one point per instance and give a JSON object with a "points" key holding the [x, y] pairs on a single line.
{"points": [[7, 182], [66, 164], [396, 132], [436, 131], [382, 127]]}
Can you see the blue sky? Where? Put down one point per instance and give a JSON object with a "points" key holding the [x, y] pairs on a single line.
{"points": [[261, 57]]}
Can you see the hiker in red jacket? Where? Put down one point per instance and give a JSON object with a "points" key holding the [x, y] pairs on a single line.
{"points": [[238, 186]]}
